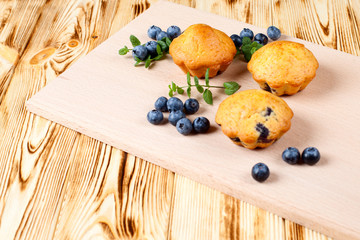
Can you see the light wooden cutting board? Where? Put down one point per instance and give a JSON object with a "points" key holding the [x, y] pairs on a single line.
{"points": [[104, 96]]}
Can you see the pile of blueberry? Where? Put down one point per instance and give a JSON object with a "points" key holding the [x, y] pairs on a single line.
{"points": [[311, 155], [143, 51], [272, 32], [177, 116]]}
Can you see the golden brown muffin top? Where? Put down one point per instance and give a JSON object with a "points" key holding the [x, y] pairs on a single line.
{"points": [[240, 113], [201, 45], [283, 62]]}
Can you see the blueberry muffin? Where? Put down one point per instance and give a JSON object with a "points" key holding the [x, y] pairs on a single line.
{"points": [[283, 67], [254, 118], [201, 47]]}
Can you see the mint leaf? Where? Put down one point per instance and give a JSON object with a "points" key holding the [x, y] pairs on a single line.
{"points": [[171, 93], [231, 87], [158, 49], [158, 57], [200, 88], [167, 41], [188, 79], [259, 46], [253, 50], [163, 45], [188, 91], [207, 95], [124, 50], [180, 90], [246, 41], [147, 62], [247, 56], [207, 77], [246, 48], [196, 80], [137, 62], [173, 86], [134, 41]]}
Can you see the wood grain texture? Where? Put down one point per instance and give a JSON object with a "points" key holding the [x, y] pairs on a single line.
{"points": [[35, 152]]}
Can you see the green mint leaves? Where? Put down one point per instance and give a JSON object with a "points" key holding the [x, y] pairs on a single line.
{"points": [[134, 41], [229, 88], [162, 48], [249, 48]]}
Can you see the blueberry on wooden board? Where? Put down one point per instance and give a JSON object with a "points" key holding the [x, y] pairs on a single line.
{"points": [[174, 104], [153, 31], [273, 33], [291, 155], [201, 124], [161, 104], [173, 32], [140, 52], [260, 172], [247, 33], [155, 117], [191, 106], [310, 155], [184, 126], [175, 116]]}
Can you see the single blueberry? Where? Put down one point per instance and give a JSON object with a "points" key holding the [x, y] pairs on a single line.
{"points": [[291, 155], [267, 112], [273, 33], [184, 126], [155, 117], [261, 38], [161, 35], [151, 48], [191, 106], [201, 124], [310, 155], [153, 31], [175, 116], [140, 52], [237, 40], [246, 33], [174, 104], [161, 104], [173, 32], [260, 172]]}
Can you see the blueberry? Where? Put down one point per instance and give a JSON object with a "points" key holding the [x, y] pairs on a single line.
{"points": [[153, 31], [246, 33], [140, 52], [191, 106], [151, 48], [175, 116], [260, 172], [173, 32], [291, 155], [161, 104], [201, 124], [273, 33], [161, 35], [261, 38], [310, 155], [174, 104], [237, 40], [184, 126], [155, 117]]}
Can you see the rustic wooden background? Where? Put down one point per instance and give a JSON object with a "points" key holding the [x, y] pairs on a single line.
{"points": [[58, 184]]}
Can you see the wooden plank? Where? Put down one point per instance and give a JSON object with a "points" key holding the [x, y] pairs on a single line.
{"points": [[81, 84], [41, 162]]}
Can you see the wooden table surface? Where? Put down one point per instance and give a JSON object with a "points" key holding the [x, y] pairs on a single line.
{"points": [[58, 184]]}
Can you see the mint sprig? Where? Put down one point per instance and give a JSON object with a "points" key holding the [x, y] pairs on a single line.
{"points": [[162, 48], [249, 47], [229, 88]]}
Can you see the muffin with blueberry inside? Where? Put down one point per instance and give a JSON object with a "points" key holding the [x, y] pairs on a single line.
{"points": [[201, 47], [283, 67], [254, 118]]}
